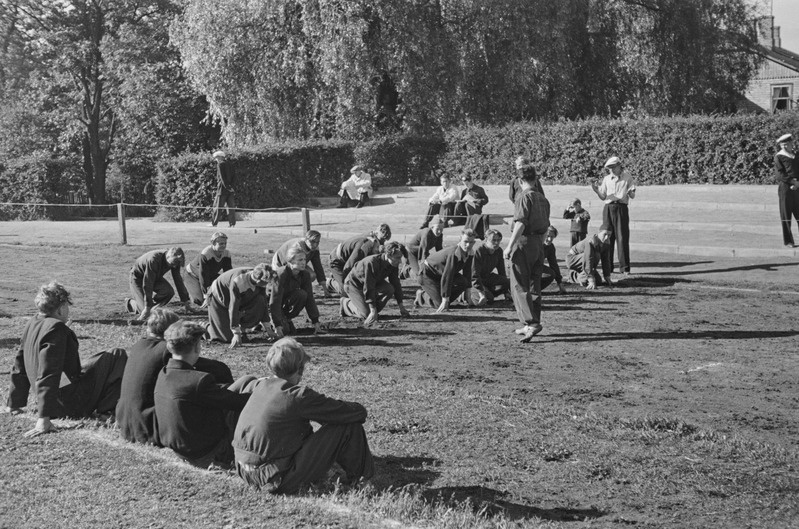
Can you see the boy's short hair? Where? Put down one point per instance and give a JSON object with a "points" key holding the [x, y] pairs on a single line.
{"points": [[392, 248], [217, 236], [286, 357], [51, 296], [293, 252], [313, 235], [552, 231], [159, 321], [382, 232], [175, 254], [262, 272], [182, 336], [469, 233], [493, 234], [577, 201]]}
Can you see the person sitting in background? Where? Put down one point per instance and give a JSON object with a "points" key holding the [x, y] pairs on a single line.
{"points": [[148, 287], [579, 218], [346, 254], [473, 198], [237, 301], [584, 257], [551, 270], [196, 415], [135, 411], [48, 361], [373, 281], [310, 245], [207, 266], [442, 202], [487, 284], [275, 445], [426, 241], [291, 293], [357, 189], [441, 276]]}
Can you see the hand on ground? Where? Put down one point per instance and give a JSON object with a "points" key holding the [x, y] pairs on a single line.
{"points": [[236, 341], [318, 329]]}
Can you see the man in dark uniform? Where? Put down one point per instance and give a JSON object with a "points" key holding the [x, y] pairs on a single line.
{"points": [[786, 169], [526, 253], [442, 276], [226, 180], [473, 198]]}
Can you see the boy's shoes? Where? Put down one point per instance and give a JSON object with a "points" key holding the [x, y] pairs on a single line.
{"points": [[418, 301], [341, 303], [329, 286], [530, 331], [129, 305]]}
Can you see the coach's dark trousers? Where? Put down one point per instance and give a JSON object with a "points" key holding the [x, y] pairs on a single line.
{"points": [[789, 207], [617, 217]]}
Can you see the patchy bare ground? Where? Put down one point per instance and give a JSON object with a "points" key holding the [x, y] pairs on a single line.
{"points": [[649, 404]]}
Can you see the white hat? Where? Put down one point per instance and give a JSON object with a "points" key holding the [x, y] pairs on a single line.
{"points": [[613, 161], [784, 138], [356, 168], [219, 154]]}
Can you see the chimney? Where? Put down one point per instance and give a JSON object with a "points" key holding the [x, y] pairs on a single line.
{"points": [[777, 39], [764, 27]]}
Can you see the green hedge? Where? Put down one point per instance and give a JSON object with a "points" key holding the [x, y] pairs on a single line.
{"points": [[402, 160], [41, 179], [679, 150], [271, 176]]}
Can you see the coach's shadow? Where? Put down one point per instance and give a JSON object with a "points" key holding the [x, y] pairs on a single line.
{"points": [[494, 502], [768, 267], [9, 342], [667, 335], [671, 264]]}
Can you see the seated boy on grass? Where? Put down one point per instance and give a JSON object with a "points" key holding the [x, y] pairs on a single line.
{"points": [[195, 414], [275, 445]]}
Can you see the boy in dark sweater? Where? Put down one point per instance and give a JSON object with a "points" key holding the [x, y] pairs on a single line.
{"points": [[579, 218], [275, 445]]}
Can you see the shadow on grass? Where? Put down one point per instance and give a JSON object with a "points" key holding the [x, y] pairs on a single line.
{"points": [[495, 503], [768, 267], [9, 342], [396, 472], [667, 335], [671, 264]]}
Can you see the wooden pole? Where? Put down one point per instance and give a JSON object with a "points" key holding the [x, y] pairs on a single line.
{"points": [[123, 233], [306, 220]]}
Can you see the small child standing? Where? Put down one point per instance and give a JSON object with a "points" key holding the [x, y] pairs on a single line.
{"points": [[580, 218]]}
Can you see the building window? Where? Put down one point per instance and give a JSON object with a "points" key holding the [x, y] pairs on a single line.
{"points": [[781, 97]]}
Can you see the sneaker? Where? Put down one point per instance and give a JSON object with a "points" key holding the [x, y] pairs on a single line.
{"points": [[418, 301], [341, 312], [329, 286], [129, 306]]}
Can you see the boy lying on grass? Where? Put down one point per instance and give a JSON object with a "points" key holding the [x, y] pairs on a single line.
{"points": [[275, 445]]}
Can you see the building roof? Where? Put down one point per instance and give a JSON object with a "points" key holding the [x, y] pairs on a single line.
{"points": [[781, 56]]}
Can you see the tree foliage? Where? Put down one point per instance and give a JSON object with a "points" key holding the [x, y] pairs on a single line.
{"points": [[313, 68]]}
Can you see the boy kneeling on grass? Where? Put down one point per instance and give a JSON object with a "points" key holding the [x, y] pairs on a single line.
{"points": [[275, 445]]}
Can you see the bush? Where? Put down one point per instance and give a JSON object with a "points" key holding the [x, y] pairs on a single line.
{"points": [[678, 150], [399, 160], [269, 176], [41, 179]]}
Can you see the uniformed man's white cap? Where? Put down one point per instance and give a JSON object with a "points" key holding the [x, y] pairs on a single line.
{"points": [[219, 154], [784, 138], [612, 161], [356, 168]]}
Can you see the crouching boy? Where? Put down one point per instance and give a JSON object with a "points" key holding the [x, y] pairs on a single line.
{"points": [[275, 446]]}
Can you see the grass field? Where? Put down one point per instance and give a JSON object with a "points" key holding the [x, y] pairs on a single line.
{"points": [[670, 401]]}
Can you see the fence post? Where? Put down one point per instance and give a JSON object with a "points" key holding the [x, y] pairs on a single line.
{"points": [[306, 220], [123, 234]]}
